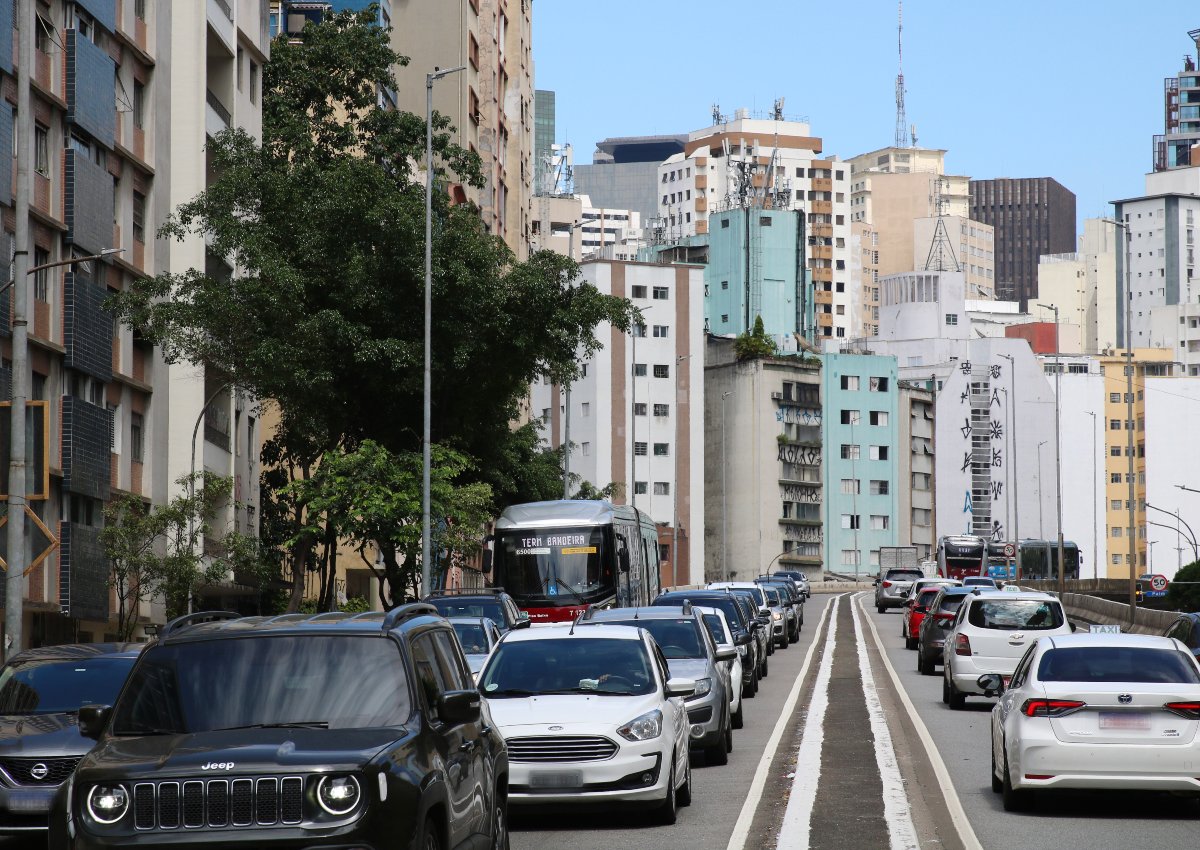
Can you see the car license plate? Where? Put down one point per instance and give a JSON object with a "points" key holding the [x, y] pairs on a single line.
{"points": [[30, 802], [557, 779], [1131, 720]]}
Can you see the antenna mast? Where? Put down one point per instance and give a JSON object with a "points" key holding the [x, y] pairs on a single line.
{"points": [[901, 119]]}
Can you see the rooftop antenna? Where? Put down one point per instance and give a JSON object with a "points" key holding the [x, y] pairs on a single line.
{"points": [[913, 130], [777, 109], [901, 120], [717, 117]]}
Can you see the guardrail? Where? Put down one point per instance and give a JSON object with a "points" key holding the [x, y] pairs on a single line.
{"points": [[1094, 610]]}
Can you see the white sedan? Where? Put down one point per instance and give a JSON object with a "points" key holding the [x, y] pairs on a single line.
{"points": [[1096, 711]]}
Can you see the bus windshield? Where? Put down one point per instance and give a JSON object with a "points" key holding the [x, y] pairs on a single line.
{"points": [[564, 565]]}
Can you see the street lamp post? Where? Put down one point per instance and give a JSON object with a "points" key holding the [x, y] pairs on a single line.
{"points": [[675, 496], [426, 458], [1041, 497], [1179, 520], [1062, 581]]}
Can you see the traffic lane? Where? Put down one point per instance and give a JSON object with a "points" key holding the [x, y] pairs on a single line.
{"points": [[1066, 818], [717, 792]]}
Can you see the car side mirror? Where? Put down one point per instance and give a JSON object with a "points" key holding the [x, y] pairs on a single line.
{"points": [[459, 706], [681, 687], [992, 684], [765, 613], [523, 621], [93, 719], [744, 640], [876, 582], [726, 653], [486, 566]]}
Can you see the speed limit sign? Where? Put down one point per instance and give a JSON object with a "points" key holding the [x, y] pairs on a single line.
{"points": [[1158, 583], [1010, 550]]}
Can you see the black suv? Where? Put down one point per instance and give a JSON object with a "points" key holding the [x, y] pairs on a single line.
{"points": [[41, 692], [336, 730], [490, 602]]}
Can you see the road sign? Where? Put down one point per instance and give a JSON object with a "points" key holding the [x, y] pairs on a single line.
{"points": [[1113, 629], [1010, 550], [1158, 583]]}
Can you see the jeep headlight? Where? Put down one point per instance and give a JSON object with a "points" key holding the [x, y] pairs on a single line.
{"points": [[703, 686], [107, 804], [643, 728], [338, 795]]}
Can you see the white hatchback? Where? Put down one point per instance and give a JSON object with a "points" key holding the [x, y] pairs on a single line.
{"points": [[1097, 711], [590, 715], [991, 632]]}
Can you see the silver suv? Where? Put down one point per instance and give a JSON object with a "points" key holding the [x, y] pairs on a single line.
{"points": [[891, 588], [691, 653]]}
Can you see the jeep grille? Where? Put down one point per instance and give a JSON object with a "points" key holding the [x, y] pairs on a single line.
{"points": [[218, 803]]}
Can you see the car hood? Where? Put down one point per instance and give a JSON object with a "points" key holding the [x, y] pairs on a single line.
{"points": [[688, 668], [41, 736], [576, 714], [245, 750]]}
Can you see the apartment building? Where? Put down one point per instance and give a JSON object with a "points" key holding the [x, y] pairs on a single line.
{"points": [[1083, 286], [1179, 144], [914, 477], [634, 418], [864, 276], [125, 97]]}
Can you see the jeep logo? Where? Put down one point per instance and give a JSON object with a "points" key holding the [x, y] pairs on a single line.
{"points": [[218, 765]]}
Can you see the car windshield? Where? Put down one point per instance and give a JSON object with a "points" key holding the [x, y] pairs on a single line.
{"points": [[335, 681], [472, 637], [926, 598], [49, 687], [568, 665], [1015, 614], [450, 606], [1139, 665], [549, 563], [677, 637], [727, 604], [713, 621]]}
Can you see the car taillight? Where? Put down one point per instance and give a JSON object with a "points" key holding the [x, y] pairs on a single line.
{"points": [[887, 584], [1050, 707], [1190, 710], [962, 645]]}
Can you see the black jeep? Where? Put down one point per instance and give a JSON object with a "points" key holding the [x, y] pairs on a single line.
{"points": [[336, 730]]}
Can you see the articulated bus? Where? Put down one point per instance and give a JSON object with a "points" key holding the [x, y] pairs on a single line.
{"points": [[962, 555], [557, 558], [1038, 559]]}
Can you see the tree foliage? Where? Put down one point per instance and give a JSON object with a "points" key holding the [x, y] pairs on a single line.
{"points": [[1182, 596], [754, 344], [322, 223]]}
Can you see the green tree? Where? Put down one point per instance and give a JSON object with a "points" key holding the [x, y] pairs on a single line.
{"points": [[754, 344], [160, 550], [1182, 596], [323, 225]]}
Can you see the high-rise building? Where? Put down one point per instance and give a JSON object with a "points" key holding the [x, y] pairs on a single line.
{"points": [[624, 172], [543, 136], [864, 274], [1179, 144], [126, 96], [1083, 285], [1031, 216]]}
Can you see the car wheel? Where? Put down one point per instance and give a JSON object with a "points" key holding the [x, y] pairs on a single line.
{"points": [[1014, 800], [717, 754], [997, 782], [765, 668], [945, 690], [751, 689], [429, 839], [924, 665], [668, 811], [500, 822], [958, 700], [738, 719], [683, 796], [910, 643], [729, 734]]}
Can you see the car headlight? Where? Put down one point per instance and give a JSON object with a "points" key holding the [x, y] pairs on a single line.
{"points": [[338, 795], [776, 615], [643, 728], [703, 686], [107, 803]]}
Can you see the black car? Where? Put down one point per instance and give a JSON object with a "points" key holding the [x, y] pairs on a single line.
{"points": [[490, 602], [336, 730], [41, 692], [936, 625], [1186, 629], [735, 615]]}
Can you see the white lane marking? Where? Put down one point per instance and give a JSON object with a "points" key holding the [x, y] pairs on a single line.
{"points": [[897, 813], [794, 833], [741, 829], [958, 815]]}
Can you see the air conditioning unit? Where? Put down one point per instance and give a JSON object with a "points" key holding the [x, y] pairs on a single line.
{"points": [[777, 396]]}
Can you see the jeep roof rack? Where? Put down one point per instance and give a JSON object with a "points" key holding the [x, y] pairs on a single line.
{"points": [[195, 618], [401, 613]]}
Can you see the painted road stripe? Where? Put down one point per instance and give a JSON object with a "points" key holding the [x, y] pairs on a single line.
{"points": [[797, 818], [957, 814], [741, 829], [897, 813]]}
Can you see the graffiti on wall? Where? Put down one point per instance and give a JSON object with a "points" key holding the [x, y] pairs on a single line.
{"points": [[983, 449], [790, 415], [802, 533], [794, 493], [803, 455]]}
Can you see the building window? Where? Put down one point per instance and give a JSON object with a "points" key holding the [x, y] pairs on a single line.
{"points": [[920, 480], [139, 9], [41, 278], [879, 385], [639, 291], [662, 488], [879, 522], [851, 417], [41, 35], [951, 318], [1116, 531], [585, 449], [586, 409], [662, 450], [639, 449], [139, 105], [139, 217], [135, 437], [850, 557], [850, 451], [1115, 398], [241, 60], [253, 81], [851, 486], [639, 488], [879, 417], [850, 520], [1116, 504], [921, 516], [662, 410], [879, 487], [662, 370], [660, 331], [639, 370], [1114, 451], [639, 408], [41, 150], [879, 453], [638, 330], [850, 382], [661, 293], [1114, 424], [1114, 478]]}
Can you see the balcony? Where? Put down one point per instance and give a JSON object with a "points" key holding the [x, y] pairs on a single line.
{"points": [[216, 117], [220, 22]]}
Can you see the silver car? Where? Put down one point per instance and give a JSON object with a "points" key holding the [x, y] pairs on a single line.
{"points": [[690, 652], [891, 588], [798, 578]]}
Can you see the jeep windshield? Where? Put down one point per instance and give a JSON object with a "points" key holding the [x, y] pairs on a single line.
{"points": [[568, 665], [51, 687], [319, 681]]}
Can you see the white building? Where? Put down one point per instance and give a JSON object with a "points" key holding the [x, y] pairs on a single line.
{"points": [[1083, 286], [635, 417]]}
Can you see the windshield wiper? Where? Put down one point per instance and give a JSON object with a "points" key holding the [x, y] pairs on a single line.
{"points": [[591, 691], [512, 692], [297, 724], [566, 586], [149, 730]]}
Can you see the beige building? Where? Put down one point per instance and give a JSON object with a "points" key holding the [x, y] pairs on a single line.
{"points": [[864, 276], [490, 103], [1082, 286], [967, 245]]}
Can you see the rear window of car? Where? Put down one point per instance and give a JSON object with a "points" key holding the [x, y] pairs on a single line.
{"points": [[1118, 664], [904, 575], [926, 598], [1030, 614], [677, 637], [951, 603]]}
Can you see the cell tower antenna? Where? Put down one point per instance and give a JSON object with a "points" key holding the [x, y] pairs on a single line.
{"points": [[901, 119]]}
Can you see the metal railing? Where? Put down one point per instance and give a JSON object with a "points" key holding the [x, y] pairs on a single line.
{"points": [[225, 7], [216, 105]]}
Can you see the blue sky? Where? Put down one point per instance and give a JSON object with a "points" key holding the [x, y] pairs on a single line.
{"points": [[1069, 89]]}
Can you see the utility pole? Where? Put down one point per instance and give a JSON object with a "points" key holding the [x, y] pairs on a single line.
{"points": [[1062, 581], [724, 495], [14, 583], [1095, 521], [675, 496]]}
